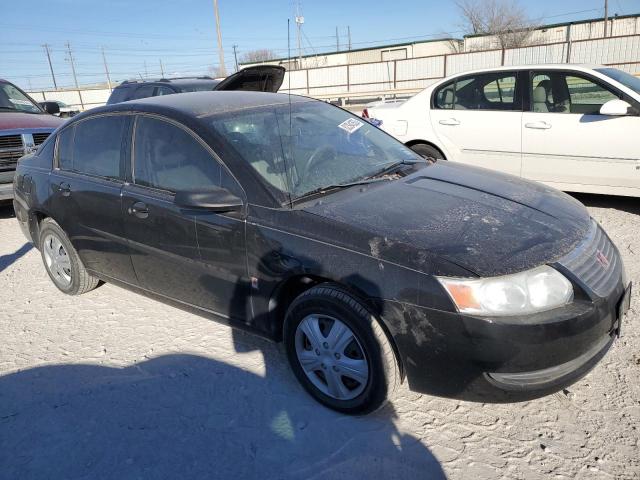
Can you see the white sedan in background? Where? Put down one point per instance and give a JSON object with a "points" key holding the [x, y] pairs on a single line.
{"points": [[572, 127]]}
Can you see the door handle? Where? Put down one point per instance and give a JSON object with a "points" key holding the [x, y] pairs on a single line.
{"points": [[449, 121], [65, 189], [538, 125], [139, 209]]}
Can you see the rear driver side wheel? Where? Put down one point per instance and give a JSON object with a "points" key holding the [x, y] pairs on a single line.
{"points": [[62, 261], [338, 350]]}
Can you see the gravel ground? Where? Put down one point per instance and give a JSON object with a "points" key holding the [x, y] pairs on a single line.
{"points": [[114, 385]]}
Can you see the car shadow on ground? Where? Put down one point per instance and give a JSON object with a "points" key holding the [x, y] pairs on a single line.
{"points": [[8, 260], [625, 204], [187, 416]]}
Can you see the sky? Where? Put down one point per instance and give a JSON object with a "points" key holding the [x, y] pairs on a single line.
{"points": [[137, 35]]}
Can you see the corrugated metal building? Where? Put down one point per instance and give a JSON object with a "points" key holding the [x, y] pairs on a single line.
{"points": [[383, 53], [561, 32]]}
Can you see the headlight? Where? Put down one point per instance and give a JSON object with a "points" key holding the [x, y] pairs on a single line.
{"points": [[536, 290]]}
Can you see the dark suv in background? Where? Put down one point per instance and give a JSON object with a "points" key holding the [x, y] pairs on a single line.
{"points": [[23, 126], [259, 79]]}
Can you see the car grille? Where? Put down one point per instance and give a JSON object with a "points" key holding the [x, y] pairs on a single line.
{"points": [[10, 141], [11, 149], [39, 138], [596, 262]]}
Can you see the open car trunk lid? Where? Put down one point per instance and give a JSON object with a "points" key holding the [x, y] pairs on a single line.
{"points": [[263, 78]]}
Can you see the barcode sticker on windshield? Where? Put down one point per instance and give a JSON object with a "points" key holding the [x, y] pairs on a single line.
{"points": [[351, 125]]}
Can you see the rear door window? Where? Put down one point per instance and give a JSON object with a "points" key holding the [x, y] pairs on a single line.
{"points": [[94, 147], [487, 91]]}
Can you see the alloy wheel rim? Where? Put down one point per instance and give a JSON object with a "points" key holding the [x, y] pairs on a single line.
{"points": [[57, 260], [331, 357]]}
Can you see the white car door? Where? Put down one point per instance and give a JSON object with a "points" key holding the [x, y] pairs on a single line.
{"points": [[478, 120], [568, 144]]}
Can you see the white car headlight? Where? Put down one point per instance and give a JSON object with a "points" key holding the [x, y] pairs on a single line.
{"points": [[536, 290]]}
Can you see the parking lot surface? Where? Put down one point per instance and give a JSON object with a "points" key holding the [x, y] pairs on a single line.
{"points": [[114, 385]]}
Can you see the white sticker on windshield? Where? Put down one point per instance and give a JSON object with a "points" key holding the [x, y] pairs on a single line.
{"points": [[351, 125], [20, 102]]}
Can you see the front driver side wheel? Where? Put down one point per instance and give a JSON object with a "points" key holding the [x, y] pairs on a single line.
{"points": [[339, 352]]}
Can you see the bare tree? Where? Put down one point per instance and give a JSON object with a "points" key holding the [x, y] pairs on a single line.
{"points": [[507, 20], [256, 56]]}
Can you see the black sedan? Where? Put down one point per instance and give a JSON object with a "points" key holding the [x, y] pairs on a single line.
{"points": [[293, 219]]}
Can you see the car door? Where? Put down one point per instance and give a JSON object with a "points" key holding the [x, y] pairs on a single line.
{"points": [[86, 185], [568, 144], [193, 256], [477, 118]]}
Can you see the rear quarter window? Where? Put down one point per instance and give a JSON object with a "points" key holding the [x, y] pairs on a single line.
{"points": [[120, 94]]}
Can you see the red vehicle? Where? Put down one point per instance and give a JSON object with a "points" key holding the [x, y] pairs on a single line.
{"points": [[23, 126]]}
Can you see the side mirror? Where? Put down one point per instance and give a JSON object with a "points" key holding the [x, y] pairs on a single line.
{"points": [[50, 107], [615, 108], [214, 199]]}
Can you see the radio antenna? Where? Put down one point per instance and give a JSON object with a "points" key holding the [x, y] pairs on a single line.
{"points": [[289, 174]]}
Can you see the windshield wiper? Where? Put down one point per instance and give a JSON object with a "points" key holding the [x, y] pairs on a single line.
{"points": [[393, 167], [338, 186]]}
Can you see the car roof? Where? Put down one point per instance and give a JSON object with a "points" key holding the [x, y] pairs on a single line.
{"points": [[203, 104], [543, 66]]}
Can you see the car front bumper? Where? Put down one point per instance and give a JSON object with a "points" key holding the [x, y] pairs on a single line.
{"points": [[504, 359]]}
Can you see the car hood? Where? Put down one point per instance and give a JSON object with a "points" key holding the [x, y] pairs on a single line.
{"points": [[14, 120], [483, 221]]}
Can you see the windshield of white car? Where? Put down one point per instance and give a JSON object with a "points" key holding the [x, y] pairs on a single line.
{"points": [[624, 78], [310, 146], [12, 99]]}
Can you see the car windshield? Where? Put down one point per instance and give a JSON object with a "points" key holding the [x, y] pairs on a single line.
{"points": [[307, 146], [624, 78], [12, 99]]}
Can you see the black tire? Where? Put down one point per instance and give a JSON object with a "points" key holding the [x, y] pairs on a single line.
{"points": [[335, 301], [81, 281], [427, 151]]}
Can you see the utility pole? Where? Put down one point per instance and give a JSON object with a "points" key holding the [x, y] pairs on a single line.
{"points": [[606, 17], [349, 35], [73, 70], [53, 77], [161, 68], [221, 68], [337, 41], [235, 55], [106, 69]]}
